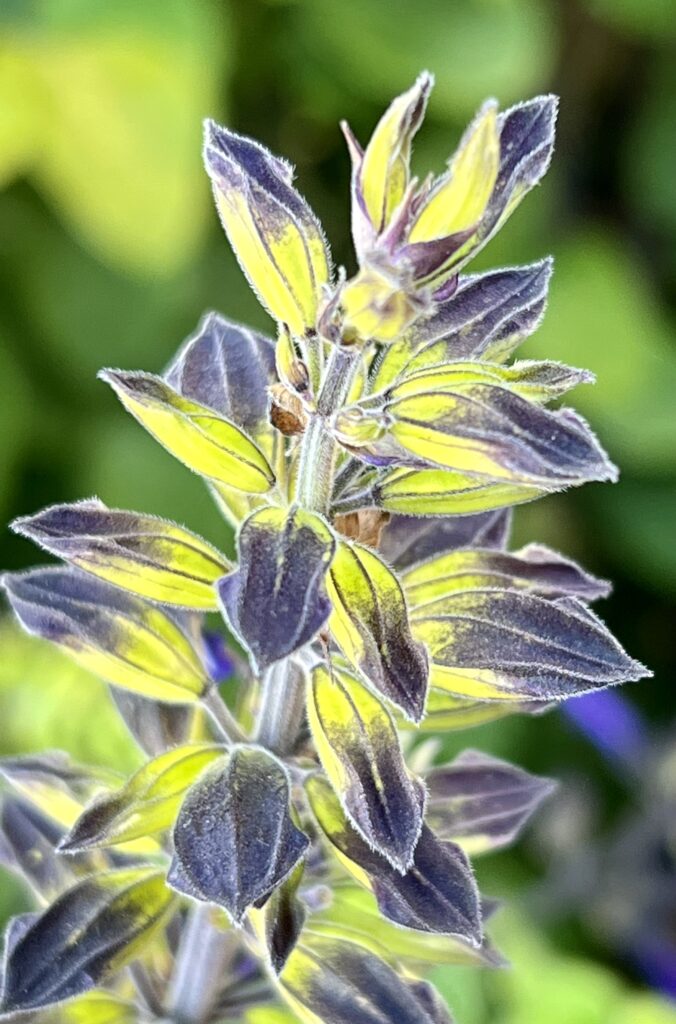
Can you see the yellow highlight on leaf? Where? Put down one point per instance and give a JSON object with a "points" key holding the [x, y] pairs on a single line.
{"points": [[203, 440], [273, 232], [460, 198], [384, 172]]}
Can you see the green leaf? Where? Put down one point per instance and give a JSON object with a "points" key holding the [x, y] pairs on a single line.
{"points": [[118, 636], [217, 858], [369, 623], [358, 746], [353, 914], [92, 930], [512, 645], [147, 804], [338, 982], [437, 492], [148, 556], [446, 713], [277, 239], [481, 802], [518, 45], [207, 443], [121, 173], [437, 894], [275, 601], [536, 569], [55, 784], [474, 419]]}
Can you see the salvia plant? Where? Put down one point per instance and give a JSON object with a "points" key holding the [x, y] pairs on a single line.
{"points": [[276, 858]]}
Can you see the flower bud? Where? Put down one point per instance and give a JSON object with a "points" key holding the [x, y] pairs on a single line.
{"points": [[378, 305]]}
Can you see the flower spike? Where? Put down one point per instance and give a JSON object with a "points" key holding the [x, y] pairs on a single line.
{"points": [[367, 460]]}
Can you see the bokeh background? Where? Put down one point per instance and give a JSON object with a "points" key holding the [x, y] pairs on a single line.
{"points": [[110, 251]]}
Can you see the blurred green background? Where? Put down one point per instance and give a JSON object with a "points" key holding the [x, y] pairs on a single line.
{"points": [[111, 251]]}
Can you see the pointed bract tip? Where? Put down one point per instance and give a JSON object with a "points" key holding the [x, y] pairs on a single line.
{"points": [[22, 526]]}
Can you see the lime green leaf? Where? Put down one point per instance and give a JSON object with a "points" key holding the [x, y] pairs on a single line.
{"points": [[481, 802], [118, 636], [370, 625], [204, 441], [354, 915], [381, 173], [512, 645], [437, 893], [357, 743], [244, 795], [92, 1008], [275, 236], [147, 804], [146, 555], [337, 982], [446, 713], [91, 930], [459, 199], [276, 601], [270, 1015], [438, 492], [536, 569], [55, 784], [472, 419]]}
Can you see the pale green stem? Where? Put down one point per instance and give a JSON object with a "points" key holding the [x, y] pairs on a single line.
{"points": [[282, 707], [202, 961], [222, 717], [318, 450]]}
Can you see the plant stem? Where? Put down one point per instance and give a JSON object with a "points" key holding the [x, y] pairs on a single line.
{"points": [[201, 964], [280, 715], [222, 717], [318, 451]]}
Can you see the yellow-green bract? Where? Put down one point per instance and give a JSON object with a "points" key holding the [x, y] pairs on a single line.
{"points": [[367, 456]]}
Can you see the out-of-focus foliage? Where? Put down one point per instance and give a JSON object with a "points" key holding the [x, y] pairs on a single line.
{"points": [[88, 92], [546, 985]]}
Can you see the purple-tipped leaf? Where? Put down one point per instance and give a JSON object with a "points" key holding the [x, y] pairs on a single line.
{"points": [[487, 317], [227, 367], [408, 540], [437, 894], [234, 839], [481, 802], [339, 982], [122, 638], [143, 554], [276, 600], [504, 644], [536, 569], [90, 930]]}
